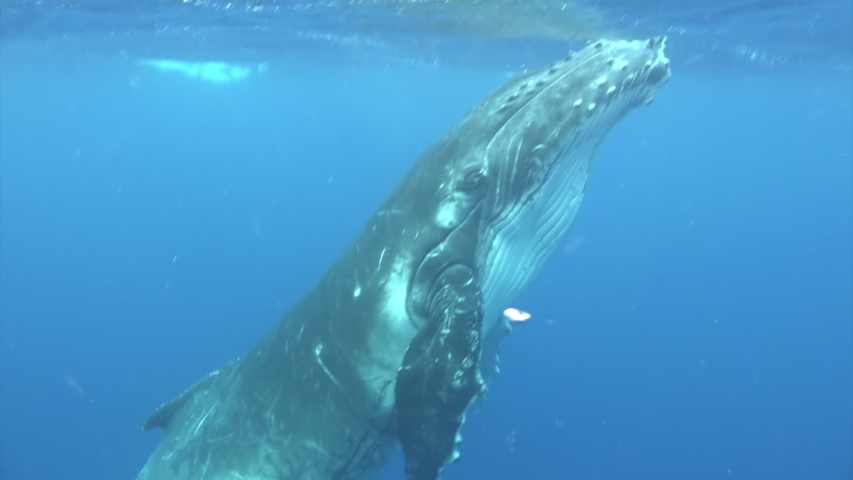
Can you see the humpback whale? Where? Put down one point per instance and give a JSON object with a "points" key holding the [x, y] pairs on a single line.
{"points": [[388, 348]]}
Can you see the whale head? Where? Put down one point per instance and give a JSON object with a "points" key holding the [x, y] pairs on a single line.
{"points": [[494, 197], [544, 130]]}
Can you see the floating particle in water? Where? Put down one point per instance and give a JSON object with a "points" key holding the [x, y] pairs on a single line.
{"points": [[516, 315]]}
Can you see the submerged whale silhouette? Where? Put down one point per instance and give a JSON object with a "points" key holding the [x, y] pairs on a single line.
{"points": [[388, 346], [214, 72]]}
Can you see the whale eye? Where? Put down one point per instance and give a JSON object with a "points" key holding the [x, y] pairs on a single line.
{"points": [[473, 181]]}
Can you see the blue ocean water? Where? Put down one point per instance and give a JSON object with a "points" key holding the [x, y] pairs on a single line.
{"points": [[174, 176]]}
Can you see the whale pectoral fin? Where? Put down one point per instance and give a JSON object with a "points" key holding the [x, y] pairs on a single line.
{"points": [[490, 360], [440, 377], [162, 416]]}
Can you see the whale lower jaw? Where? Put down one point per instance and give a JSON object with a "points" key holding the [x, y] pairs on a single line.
{"points": [[520, 250]]}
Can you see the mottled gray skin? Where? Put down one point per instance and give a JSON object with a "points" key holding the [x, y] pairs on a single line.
{"points": [[387, 347]]}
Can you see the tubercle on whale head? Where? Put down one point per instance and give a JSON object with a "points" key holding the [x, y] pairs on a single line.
{"points": [[625, 65]]}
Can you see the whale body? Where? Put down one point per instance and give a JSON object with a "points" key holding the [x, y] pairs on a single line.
{"points": [[388, 348]]}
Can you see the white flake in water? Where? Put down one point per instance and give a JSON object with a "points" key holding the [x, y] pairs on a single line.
{"points": [[516, 315]]}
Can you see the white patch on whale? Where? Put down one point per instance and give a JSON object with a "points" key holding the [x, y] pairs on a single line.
{"points": [[393, 333], [450, 211]]}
